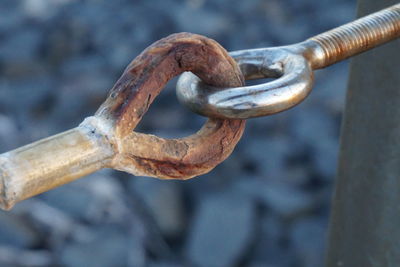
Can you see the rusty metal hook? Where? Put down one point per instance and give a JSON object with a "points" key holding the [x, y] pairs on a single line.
{"points": [[293, 65], [107, 139]]}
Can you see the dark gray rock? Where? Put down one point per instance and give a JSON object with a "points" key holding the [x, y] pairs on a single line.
{"points": [[19, 257], [11, 18], [50, 222], [16, 232], [70, 199], [18, 94], [8, 134], [164, 264], [307, 238], [22, 46], [97, 198], [270, 247], [286, 201], [310, 125], [108, 202], [269, 155], [330, 88], [339, 14], [213, 24], [325, 157], [19, 53], [313, 130], [164, 203], [222, 230], [278, 197], [104, 246], [137, 254]]}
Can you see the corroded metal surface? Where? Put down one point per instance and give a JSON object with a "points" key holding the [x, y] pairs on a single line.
{"points": [[107, 139], [142, 81], [293, 66]]}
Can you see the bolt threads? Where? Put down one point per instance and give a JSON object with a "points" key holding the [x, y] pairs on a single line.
{"points": [[359, 36]]}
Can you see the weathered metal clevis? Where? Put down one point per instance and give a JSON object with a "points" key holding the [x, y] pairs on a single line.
{"points": [[107, 139]]}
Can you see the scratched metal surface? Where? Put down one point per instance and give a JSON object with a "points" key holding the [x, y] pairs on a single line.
{"points": [[267, 205]]}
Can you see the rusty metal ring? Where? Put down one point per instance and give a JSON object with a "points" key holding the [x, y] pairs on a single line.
{"points": [[107, 139], [142, 81]]}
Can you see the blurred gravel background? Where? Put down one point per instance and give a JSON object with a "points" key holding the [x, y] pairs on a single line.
{"points": [[267, 205]]}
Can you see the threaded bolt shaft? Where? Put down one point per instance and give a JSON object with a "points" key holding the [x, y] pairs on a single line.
{"points": [[358, 36]]}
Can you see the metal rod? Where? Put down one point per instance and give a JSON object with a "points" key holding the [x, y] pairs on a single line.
{"points": [[356, 37], [51, 162], [364, 225]]}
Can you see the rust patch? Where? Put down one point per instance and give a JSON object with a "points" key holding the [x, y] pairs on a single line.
{"points": [[143, 80]]}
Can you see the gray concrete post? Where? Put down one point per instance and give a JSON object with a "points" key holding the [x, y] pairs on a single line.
{"points": [[365, 220]]}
